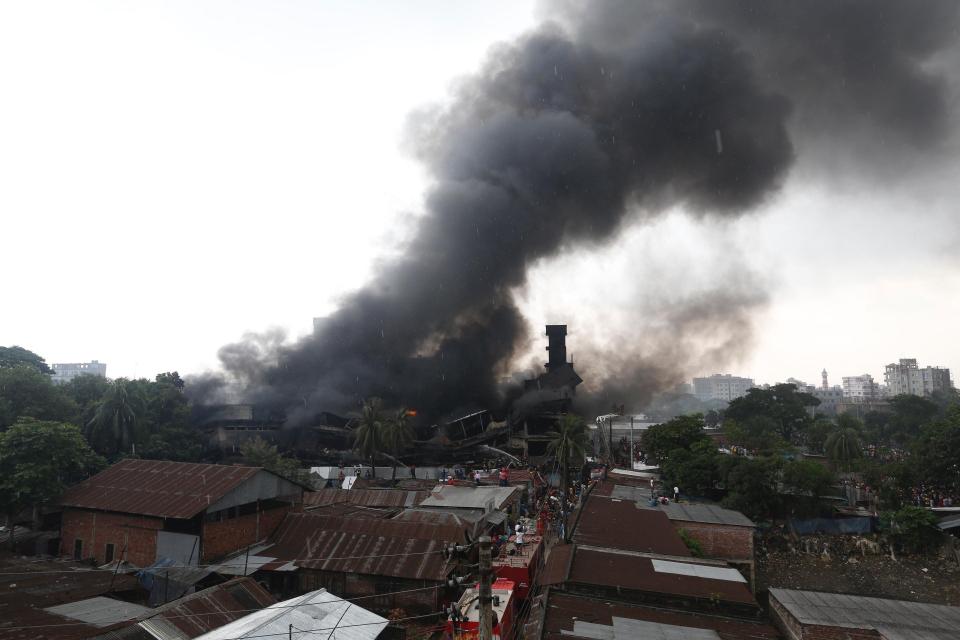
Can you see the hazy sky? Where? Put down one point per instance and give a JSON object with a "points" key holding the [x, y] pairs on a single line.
{"points": [[175, 174]]}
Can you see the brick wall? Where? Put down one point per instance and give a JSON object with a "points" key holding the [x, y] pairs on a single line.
{"points": [[138, 534], [793, 629], [719, 541], [227, 536]]}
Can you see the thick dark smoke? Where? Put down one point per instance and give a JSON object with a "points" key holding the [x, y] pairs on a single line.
{"points": [[609, 116]]}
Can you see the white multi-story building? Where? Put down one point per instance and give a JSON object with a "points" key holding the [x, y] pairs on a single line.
{"points": [[721, 387], [861, 388], [64, 372], [907, 378]]}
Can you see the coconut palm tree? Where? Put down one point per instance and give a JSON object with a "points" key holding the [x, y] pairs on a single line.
{"points": [[115, 424], [370, 430], [398, 436], [842, 447], [569, 446]]}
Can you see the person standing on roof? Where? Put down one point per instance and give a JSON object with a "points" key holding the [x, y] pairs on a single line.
{"points": [[504, 477]]}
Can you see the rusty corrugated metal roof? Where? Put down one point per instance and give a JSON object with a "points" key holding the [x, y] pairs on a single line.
{"points": [[366, 546], [628, 571], [620, 524], [564, 610], [36, 585], [557, 567], [394, 498], [157, 487], [197, 613]]}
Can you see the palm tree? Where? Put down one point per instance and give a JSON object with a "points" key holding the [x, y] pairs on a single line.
{"points": [[115, 423], [369, 433], [843, 446], [398, 436], [569, 446]]}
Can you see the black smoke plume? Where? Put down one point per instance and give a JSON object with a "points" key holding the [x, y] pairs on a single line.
{"points": [[609, 116]]}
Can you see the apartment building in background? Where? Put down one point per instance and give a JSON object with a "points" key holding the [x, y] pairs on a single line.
{"points": [[906, 377], [724, 387], [64, 372], [861, 388]]}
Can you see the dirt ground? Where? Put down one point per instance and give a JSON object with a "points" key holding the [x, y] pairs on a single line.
{"points": [[845, 569]]}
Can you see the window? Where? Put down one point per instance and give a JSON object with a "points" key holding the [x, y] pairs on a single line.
{"points": [[78, 549], [108, 553]]}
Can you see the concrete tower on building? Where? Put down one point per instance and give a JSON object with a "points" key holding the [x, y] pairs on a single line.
{"points": [[825, 384]]}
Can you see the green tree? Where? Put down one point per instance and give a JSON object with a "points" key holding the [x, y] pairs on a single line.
{"points": [[398, 435], [817, 432], [19, 357], [758, 433], [787, 407], [680, 433], [751, 484], [258, 452], [569, 445], [38, 460], [116, 424], [876, 426], [85, 392], [369, 432], [910, 414], [26, 392], [696, 470], [808, 478], [843, 447], [913, 528], [936, 452]]}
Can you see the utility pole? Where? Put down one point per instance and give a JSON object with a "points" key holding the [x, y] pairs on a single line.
{"points": [[486, 590], [630, 466]]}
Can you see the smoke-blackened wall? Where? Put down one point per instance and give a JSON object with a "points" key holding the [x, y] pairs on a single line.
{"points": [[609, 117]]}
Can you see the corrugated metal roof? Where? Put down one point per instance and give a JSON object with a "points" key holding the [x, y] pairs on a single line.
{"points": [[157, 488], [704, 513], [619, 524], [627, 629], [318, 614], [372, 547], [396, 498], [99, 611], [563, 611], [894, 619], [197, 613], [629, 571], [701, 571], [558, 565], [471, 497]]}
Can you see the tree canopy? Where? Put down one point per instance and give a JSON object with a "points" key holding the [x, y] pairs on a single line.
{"points": [[782, 404], [26, 392], [19, 357], [39, 459], [660, 440]]}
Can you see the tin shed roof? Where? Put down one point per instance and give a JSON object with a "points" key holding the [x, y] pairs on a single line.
{"points": [[157, 487], [572, 617], [372, 547], [620, 524]]}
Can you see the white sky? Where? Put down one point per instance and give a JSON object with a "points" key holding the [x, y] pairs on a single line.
{"points": [[174, 174]]}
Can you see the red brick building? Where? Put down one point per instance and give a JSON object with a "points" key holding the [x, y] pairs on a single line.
{"points": [[142, 511]]}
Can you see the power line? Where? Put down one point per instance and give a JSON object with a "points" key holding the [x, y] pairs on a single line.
{"points": [[231, 563], [222, 611]]}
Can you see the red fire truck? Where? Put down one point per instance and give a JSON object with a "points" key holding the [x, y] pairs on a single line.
{"points": [[464, 622]]}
